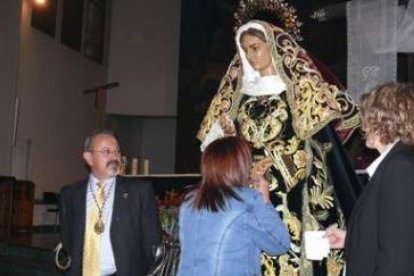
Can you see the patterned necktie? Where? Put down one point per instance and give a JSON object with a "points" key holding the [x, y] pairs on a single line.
{"points": [[92, 243]]}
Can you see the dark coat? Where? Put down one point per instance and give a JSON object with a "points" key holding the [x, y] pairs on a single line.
{"points": [[380, 237], [135, 227]]}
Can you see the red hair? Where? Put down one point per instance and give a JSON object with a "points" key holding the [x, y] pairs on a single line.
{"points": [[225, 164]]}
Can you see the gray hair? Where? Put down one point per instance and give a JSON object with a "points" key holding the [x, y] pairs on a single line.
{"points": [[89, 139]]}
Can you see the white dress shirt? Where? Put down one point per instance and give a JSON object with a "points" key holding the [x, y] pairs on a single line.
{"points": [[107, 255], [374, 165]]}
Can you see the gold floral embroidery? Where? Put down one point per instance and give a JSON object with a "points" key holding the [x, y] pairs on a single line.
{"points": [[283, 153], [321, 215], [293, 223], [300, 158], [274, 184], [267, 264], [312, 100], [294, 226], [335, 263], [320, 194], [262, 119], [314, 103], [286, 269], [224, 100]]}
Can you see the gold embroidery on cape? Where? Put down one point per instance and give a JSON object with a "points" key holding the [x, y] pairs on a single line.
{"points": [[309, 224], [311, 99], [274, 184], [267, 264], [224, 100], [321, 194], [283, 154], [259, 131], [294, 226], [287, 269], [313, 102], [263, 130], [350, 112], [335, 263], [289, 218]]}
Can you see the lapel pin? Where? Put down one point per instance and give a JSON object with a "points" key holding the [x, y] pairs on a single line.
{"points": [[125, 195]]}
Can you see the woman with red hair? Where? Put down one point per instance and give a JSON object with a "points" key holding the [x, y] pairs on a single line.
{"points": [[224, 224]]}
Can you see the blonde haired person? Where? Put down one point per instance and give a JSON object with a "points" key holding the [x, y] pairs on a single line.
{"points": [[379, 240]]}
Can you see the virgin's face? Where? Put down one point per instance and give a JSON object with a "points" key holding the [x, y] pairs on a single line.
{"points": [[258, 54]]}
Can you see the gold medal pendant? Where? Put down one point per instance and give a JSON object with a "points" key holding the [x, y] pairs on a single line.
{"points": [[99, 227]]}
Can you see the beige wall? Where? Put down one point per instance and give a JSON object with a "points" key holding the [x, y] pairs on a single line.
{"points": [[143, 57], [54, 114], [9, 48], [48, 78]]}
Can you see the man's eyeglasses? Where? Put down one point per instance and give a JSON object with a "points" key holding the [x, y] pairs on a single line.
{"points": [[107, 152]]}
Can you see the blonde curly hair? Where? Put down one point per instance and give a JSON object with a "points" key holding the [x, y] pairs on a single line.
{"points": [[388, 112]]}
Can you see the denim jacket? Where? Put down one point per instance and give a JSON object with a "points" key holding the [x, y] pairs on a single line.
{"points": [[229, 242]]}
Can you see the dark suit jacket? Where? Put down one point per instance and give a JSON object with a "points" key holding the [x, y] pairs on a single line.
{"points": [[380, 237], [135, 227]]}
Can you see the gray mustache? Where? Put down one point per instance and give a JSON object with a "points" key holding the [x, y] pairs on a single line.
{"points": [[114, 164]]}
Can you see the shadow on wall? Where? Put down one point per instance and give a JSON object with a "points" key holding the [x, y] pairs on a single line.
{"points": [[151, 138]]}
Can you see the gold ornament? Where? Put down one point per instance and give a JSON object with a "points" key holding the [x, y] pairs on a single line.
{"points": [[276, 12], [99, 226]]}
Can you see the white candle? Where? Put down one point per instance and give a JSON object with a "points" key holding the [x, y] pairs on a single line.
{"points": [[134, 166], [145, 167]]}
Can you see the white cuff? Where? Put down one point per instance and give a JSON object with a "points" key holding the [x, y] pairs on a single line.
{"points": [[215, 132]]}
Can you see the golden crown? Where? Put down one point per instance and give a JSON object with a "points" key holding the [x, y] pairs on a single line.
{"points": [[276, 12]]}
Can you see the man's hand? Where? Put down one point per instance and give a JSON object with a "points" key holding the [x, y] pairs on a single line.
{"points": [[336, 237]]}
